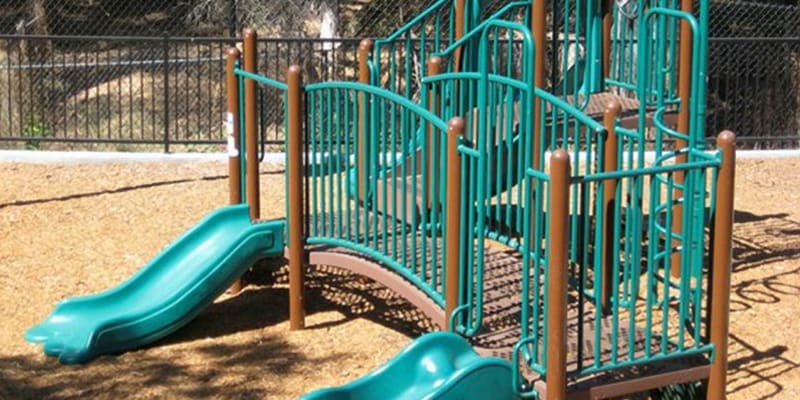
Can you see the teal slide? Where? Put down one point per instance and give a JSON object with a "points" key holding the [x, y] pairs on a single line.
{"points": [[164, 295], [439, 365]]}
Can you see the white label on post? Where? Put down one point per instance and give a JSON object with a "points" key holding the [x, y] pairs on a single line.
{"points": [[229, 123], [232, 150]]}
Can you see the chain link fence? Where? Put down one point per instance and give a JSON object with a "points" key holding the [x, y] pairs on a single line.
{"points": [[145, 93], [120, 75], [754, 71]]}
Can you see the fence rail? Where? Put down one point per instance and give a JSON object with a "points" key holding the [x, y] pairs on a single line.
{"points": [[168, 93]]}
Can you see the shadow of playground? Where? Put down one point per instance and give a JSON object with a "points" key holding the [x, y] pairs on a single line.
{"points": [[235, 370], [207, 368], [760, 241], [123, 189], [226, 371]]}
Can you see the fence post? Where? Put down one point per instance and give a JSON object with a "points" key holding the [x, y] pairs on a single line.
{"points": [[232, 18], [455, 129], [364, 49], [166, 94], [721, 266], [251, 125], [232, 131], [556, 372], [294, 79], [610, 159]]}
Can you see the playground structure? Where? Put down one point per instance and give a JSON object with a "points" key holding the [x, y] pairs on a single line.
{"points": [[557, 214]]}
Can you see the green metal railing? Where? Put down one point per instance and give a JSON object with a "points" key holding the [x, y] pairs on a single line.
{"points": [[264, 84], [657, 91], [577, 50], [662, 317], [393, 224], [496, 109], [398, 61]]}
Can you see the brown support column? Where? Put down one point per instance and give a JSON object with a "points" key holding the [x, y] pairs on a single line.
{"points": [[294, 170], [556, 372], [721, 266], [608, 21], [434, 68], [684, 92], [232, 128], [610, 158], [364, 50], [538, 22], [459, 33], [455, 129], [251, 126]]}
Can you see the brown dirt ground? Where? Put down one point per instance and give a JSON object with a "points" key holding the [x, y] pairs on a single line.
{"points": [[67, 230]]}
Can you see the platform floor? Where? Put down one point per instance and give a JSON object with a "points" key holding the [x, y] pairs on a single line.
{"points": [[502, 305]]}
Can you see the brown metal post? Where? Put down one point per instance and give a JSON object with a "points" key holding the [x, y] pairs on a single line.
{"points": [[455, 129], [538, 22], [364, 50], [608, 21], [294, 170], [684, 92], [721, 266], [232, 129], [556, 372], [610, 159], [459, 8], [251, 126], [434, 68]]}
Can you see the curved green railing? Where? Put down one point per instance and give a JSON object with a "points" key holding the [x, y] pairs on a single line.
{"points": [[651, 88], [393, 225]]}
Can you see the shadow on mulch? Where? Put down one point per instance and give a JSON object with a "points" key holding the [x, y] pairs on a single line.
{"points": [[123, 189], [757, 367], [134, 374], [264, 302], [760, 240]]}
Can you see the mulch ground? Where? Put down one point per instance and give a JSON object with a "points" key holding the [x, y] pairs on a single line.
{"points": [[68, 230]]}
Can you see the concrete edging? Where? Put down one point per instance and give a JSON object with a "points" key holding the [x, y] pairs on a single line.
{"points": [[93, 157]]}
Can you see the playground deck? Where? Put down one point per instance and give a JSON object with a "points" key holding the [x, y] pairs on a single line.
{"points": [[502, 300]]}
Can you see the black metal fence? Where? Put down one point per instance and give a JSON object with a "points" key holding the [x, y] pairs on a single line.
{"points": [[142, 93], [100, 90], [754, 90]]}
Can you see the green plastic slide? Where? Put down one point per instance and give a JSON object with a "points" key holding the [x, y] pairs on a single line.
{"points": [[164, 295], [439, 365]]}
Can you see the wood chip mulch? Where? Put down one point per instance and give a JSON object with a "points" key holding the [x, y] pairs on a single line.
{"points": [[68, 230]]}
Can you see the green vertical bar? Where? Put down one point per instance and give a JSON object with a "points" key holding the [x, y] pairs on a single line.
{"points": [[349, 128], [340, 154], [312, 128]]}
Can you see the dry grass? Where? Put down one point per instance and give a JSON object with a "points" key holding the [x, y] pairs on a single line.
{"points": [[69, 230]]}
